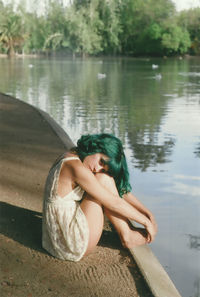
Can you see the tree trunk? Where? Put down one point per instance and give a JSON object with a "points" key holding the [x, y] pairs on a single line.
{"points": [[11, 51]]}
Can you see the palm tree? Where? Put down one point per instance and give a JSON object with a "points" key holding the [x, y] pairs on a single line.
{"points": [[11, 33]]}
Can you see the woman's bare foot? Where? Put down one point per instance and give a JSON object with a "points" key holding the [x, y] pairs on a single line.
{"points": [[137, 237]]}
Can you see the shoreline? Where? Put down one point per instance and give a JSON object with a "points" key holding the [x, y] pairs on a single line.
{"points": [[79, 56]]}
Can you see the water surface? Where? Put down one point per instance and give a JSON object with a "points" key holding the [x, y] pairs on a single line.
{"points": [[155, 112]]}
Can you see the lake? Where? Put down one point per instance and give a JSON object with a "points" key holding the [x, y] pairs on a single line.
{"points": [[153, 106]]}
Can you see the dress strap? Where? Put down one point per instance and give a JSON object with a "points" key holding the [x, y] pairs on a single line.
{"points": [[70, 158]]}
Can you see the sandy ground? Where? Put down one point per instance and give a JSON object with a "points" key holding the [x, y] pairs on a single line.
{"points": [[28, 147]]}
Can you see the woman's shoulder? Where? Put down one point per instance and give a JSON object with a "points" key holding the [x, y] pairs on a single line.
{"points": [[71, 161], [69, 156], [64, 157], [69, 166]]}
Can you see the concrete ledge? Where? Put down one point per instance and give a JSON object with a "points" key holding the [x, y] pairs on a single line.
{"points": [[156, 277], [56, 128]]}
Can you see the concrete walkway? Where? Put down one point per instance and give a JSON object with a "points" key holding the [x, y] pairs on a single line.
{"points": [[28, 147]]}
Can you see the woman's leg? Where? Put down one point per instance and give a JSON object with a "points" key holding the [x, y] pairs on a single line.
{"points": [[129, 235], [95, 218], [93, 211]]}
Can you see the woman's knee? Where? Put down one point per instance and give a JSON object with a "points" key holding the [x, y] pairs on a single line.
{"points": [[107, 181], [104, 178]]}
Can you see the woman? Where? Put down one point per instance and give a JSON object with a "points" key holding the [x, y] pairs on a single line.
{"points": [[89, 180]]}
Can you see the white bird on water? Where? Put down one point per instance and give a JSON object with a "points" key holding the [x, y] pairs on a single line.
{"points": [[101, 75], [158, 76], [154, 66]]}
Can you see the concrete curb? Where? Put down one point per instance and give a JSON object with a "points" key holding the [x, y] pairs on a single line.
{"points": [[56, 128], [52, 123], [156, 277]]}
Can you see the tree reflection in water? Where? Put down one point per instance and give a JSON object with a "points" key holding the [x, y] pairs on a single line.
{"points": [[194, 241], [197, 287], [197, 151], [147, 155]]}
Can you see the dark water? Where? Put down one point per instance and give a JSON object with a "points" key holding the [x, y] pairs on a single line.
{"points": [[156, 113]]}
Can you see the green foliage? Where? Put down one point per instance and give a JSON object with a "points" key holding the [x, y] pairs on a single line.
{"points": [[144, 25], [82, 30], [93, 26], [154, 31], [11, 33], [175, 40], [55, 32], [109, 14], [190, 20], [35, 29], [133, 27]]}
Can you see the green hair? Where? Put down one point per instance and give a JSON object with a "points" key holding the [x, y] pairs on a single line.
{"points": [[110, 146]]}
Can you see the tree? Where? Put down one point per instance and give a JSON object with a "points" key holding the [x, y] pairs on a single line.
{"points": [[175, 39], [94, 25], [109, 14], [56, 31], [83, 27], [142, 25], [132, 27], [11, 30], [190, 20], [35, 28]]}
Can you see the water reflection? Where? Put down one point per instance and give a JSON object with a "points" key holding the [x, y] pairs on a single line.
{"points": [[119, 103], [197, 287], [149, 155], [126, 103], [194, 241], [197, 151]]}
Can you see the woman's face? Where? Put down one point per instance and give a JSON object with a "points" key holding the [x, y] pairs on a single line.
{"points": [[96, 163]]}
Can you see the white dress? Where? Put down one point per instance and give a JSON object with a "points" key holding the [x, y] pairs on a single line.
{"points": [[65, 231]]}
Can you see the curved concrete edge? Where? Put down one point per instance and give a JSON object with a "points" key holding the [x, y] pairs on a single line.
{"points": [[57, 129], [153, 272]]}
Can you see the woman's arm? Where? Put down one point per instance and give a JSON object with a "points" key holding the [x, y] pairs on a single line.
{"points": [[131, 199]]}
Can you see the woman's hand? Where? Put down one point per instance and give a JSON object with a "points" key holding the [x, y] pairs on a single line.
{"points": [[131, 199]]}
